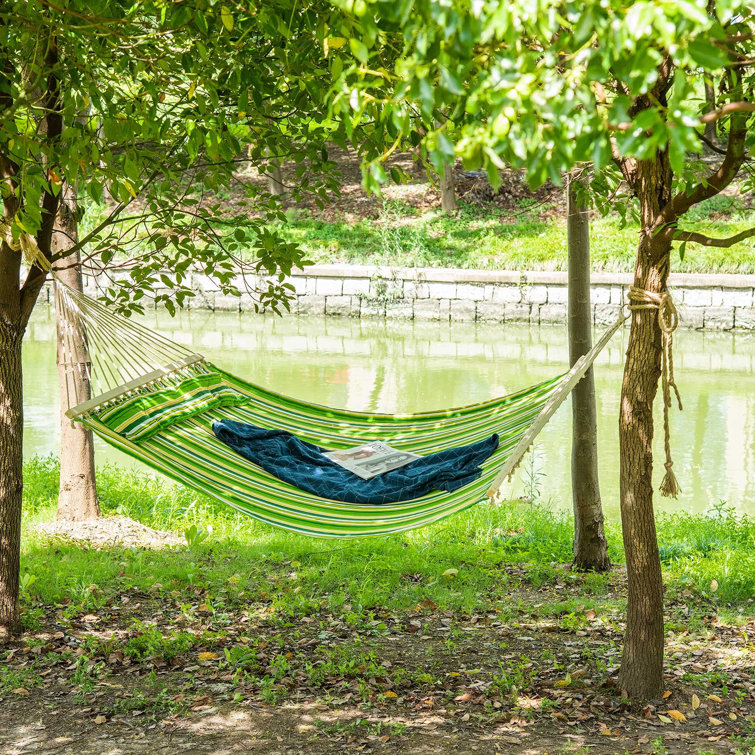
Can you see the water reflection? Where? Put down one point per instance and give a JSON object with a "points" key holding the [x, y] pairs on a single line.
{"points": [[400, 366]]}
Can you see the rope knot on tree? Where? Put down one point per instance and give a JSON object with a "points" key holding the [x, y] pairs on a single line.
{"points": [[668, 320]]}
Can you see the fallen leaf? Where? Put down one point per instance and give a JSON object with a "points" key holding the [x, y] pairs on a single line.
{"points": [[715, 721], [665, 719], [733, 716], [463, 698], [390, 694], [667, 694], [714, 585], [100, 719], [21, 691], [450, 573], [677, 715], [385, 738], [207, 656], [695, 702], [715, 698]]}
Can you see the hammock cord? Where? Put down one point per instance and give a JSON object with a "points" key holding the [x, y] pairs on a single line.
{"points": [[668, 320]]}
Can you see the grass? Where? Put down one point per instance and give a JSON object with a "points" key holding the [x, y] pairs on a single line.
{"points": [[711, 557], [491, 238]]}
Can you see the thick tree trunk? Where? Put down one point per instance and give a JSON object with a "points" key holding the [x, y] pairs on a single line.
{"points": [[275, 179], [448, 190], [11, 439], [590, 546], [641, 673], [77, 495]]}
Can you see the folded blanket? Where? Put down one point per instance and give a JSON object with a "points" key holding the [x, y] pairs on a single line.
{"points": [[302, 464]]}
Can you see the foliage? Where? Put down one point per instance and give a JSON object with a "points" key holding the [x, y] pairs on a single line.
{"points": [[539, 85], [146, 109]]}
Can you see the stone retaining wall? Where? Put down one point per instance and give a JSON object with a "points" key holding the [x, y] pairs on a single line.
{"points": [[716, 302]]}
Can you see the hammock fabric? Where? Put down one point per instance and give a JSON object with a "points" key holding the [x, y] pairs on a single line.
{"points": [[157, 401], [303, 464]]}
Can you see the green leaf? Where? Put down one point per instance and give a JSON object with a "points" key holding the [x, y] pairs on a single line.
{"points": [[226, 17]]}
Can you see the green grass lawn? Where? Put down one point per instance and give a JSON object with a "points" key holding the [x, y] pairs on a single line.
{"points": [[468, 631], [489, 238], [233, 552]]}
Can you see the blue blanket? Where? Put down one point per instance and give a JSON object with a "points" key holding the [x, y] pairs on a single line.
{"points": [[302, 464]]}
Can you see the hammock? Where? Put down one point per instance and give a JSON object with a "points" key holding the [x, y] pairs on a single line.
{"points": [[156, 401]]}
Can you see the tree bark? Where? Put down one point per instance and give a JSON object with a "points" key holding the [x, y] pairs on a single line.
{"points": [[710, 99], [448, 190], [641, 674], [77, 494], [11, 439], [275, 179], [590, 546]]}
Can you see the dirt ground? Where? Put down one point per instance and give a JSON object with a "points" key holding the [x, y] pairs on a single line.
{"points": [[164, 671]]}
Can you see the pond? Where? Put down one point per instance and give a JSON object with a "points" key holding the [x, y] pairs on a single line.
{"points": [[410, 366]]}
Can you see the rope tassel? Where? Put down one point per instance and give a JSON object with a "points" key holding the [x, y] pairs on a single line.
{"points": [[668, 320]]}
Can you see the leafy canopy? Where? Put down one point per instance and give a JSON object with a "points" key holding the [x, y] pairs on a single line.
{"points": [[542, 84], [146, 108]]}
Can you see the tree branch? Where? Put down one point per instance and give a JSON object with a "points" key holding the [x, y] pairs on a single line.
{"points": [[699, 238], [728, 109]]}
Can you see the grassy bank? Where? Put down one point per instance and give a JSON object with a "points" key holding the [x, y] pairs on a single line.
{"points": [[471, 629], [488, 237], [695, 551]]}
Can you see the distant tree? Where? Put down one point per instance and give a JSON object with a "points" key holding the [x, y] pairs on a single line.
{"points": [[544, 86], [77, 493], [590, 545]]}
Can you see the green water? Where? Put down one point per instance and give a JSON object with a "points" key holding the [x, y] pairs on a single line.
{"points": [[403, 366]]}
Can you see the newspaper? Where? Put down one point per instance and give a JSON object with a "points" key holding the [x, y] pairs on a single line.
{"points": [[371, 459]]}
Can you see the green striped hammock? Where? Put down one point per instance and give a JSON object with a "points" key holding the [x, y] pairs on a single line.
{"points": [[156, 401]]}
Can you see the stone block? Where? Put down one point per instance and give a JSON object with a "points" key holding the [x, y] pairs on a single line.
{"points": [[342, 306], [744, 317], [441, 290], [733, 297], [463, 311], [516, 313], [490, 311], [697, 297], [558, 294], [357, 286], [427, 309], [470, 291], [372, 308], [416, 290], [718, 318], [400, 309], [536, 294], [444, 310], [311, 305], [201, 300], [690, 317], [552, 313], [618, 295], [503, 293], [605, 314], [302, 285], [600, 295], [229, 303], [329, 286]]}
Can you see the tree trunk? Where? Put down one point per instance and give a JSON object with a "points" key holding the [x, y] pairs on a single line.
{"points": [[448, 190], [641, 672], [77, 495], [275, 179], [11, 439], [590, 546], [710, 99]]}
